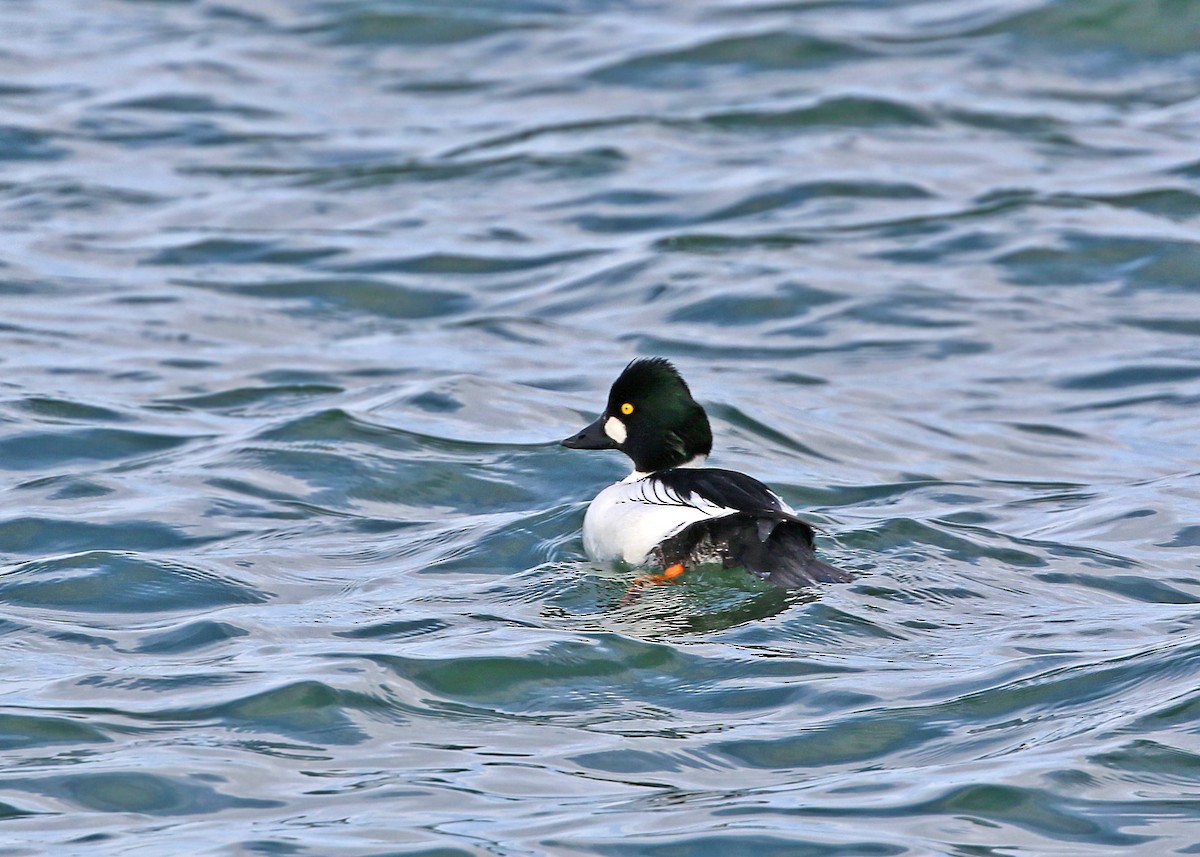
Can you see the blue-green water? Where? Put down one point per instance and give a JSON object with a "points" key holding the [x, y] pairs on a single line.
{"points": [[296, 298]]}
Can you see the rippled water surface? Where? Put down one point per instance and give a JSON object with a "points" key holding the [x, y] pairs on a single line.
{"points": [[296, 298]]}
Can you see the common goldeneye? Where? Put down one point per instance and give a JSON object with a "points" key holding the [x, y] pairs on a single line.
{"points": [[673, 512]]}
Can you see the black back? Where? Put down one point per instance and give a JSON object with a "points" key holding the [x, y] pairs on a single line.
{"points": [[727, 488]]}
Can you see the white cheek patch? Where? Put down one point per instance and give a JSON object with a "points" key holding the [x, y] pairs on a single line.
{"points": [[615, 429]]}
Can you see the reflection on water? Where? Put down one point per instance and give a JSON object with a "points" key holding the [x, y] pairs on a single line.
{"points": [[298, 296]]}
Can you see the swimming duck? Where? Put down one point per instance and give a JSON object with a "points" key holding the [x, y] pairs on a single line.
{"points": [[673, 512]]}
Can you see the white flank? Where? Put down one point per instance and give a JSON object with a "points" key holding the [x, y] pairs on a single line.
{"points": [[628, 519]]}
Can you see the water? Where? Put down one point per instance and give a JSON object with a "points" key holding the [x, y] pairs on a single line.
{"points": [[297, 298]]}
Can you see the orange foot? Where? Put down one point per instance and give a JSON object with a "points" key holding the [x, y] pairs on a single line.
{"points": [[639, 583]]}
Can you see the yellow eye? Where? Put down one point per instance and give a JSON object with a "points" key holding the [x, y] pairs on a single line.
{"points": [[627, 409]]}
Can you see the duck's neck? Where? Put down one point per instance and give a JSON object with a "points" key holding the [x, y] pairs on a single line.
{"points": [[694, 461]]}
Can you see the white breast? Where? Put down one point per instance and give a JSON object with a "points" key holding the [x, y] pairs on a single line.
{"points": [[628, 519]]}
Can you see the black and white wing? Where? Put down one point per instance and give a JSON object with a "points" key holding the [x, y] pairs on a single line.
{"points": [[711, 487]]}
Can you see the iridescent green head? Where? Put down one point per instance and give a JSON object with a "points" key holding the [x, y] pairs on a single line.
{"points": [[651, 417]]}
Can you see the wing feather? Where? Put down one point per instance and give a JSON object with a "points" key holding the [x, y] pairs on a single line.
{"points": [[712, 487], [654, 492]]}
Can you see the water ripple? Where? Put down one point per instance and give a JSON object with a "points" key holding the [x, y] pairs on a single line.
{"points": [[299, 297], [104, 581]]}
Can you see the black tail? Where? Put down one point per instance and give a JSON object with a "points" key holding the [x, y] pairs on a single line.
{"points": [[777, 548]]}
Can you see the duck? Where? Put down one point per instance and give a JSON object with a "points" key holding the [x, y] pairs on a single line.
{"points": [[672, 511]]}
